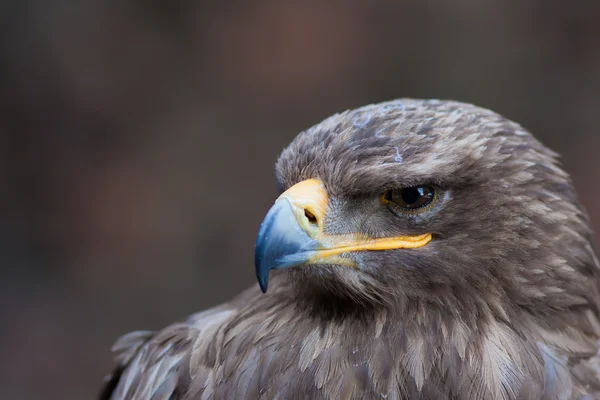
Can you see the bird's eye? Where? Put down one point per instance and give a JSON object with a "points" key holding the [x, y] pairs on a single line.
{"points": [[411, 198]]}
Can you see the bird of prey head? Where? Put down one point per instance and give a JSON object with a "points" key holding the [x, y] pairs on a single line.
{"points": [[441, 203], [419, 249]]}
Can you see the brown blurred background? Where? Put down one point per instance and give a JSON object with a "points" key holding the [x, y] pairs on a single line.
{"points": [[137, 140]]}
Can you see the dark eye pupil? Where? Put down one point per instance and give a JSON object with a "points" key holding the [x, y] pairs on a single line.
{"points": [[412, 195], [412, 198]]}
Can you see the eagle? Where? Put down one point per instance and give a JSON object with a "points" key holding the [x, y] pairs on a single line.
{"points": [[419, 249]]}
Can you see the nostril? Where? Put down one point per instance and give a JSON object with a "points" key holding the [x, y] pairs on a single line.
{"points": [[310, 216]]}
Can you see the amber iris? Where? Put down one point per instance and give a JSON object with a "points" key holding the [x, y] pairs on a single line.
{"points": [[411, 198]]}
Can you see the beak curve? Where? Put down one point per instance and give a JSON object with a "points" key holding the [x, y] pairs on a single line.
{"points": [[292, 234], [281, 242]]}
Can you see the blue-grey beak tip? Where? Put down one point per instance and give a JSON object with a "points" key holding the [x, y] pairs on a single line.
{"points": [[262, 271], [281, 243], [263, 282]]}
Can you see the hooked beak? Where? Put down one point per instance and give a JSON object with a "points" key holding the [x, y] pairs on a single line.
{"points": [[292, 234]]}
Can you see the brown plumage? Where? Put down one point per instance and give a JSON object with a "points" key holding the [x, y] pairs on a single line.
{"points": [[503, 303]]}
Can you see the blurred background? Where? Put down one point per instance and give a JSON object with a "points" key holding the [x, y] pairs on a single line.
{"points": [[137, 142]]}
